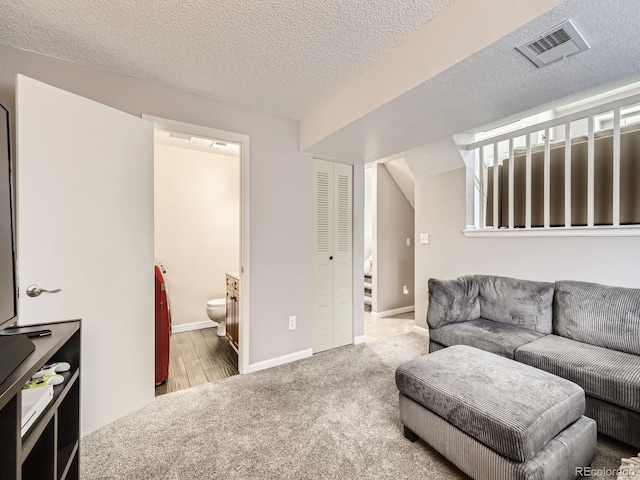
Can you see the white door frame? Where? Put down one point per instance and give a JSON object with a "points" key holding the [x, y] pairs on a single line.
{"points": [[243, 140], [320, 165]]}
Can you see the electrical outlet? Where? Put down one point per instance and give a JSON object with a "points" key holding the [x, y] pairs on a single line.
{"points": [[408, 241], [405, 290], [292, 322], [424, 238]]}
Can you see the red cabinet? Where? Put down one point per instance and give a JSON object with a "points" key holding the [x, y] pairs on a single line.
{"points": [[163, 326]]}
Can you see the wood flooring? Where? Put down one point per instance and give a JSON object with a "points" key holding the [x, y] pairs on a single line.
{"points": [[198, 357]]}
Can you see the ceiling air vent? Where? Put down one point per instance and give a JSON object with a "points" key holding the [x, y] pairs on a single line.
{"points": [[556, 44]]}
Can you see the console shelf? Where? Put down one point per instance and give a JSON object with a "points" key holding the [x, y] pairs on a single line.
{"points": [[50, 448]]}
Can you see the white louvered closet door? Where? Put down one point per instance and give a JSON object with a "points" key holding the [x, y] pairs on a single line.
{"points": [[342, 255], [333, 261]]}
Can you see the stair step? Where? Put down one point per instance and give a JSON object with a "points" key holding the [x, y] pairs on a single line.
{"points": [[367, 300], [368, 285]]}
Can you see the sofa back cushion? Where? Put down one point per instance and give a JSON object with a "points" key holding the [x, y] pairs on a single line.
{"points": [[598, 314], [521, 303], [452, 301]]}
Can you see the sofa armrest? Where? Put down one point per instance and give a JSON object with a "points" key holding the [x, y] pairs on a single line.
{"points": [[452, 301]]}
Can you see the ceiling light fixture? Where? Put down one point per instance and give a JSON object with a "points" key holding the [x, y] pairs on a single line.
{"points": [[183, 136]]}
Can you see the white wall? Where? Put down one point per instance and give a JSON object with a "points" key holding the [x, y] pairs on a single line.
{"points": [[280, 190], [196, 226], [440, 211], [393, 259]]}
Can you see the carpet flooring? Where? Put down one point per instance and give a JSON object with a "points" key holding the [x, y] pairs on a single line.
{"points": [[332, 416]]}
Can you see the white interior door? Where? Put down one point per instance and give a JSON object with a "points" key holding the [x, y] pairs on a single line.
{"points": [[332, 247], [85, 226], [323, 238], [343, 255]]}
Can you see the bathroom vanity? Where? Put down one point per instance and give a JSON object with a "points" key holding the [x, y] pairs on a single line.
{"points": [[233, 308]]}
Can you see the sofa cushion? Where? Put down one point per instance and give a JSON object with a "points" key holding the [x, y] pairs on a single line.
{"points": [[508, 406], [598, 314], [603, 373], [484, 334], [618, 422], [521, 303], [452, 301]]}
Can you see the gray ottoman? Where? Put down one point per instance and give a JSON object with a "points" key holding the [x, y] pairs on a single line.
{"points": [[495, 418]]}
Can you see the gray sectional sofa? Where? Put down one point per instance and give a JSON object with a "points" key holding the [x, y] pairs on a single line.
{"points": [[584, 332]]}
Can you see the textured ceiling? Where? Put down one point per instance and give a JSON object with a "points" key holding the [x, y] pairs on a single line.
{"points": [[279, 56], [498, 85]]}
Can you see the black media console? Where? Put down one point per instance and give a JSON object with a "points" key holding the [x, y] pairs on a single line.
{"points": [[50, 449]]}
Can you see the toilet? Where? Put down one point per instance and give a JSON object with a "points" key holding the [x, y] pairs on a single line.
{"points": [[217, 311]]}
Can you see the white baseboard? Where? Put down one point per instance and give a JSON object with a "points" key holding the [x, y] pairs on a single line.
{"points": [[186, 327], [421, 330], [358, 340], [395, 311], [274, 362]]}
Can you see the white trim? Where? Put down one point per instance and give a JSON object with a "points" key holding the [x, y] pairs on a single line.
{"points": [[547, 179], [395, 311], [176, 126], [591, 165], [512, 183], [245, 283], [567, 178], [187, 327], [358, 340], [623, 102], [616, 167], [496, 220], [274, 362], [483, 203], [245, 277], [527, 216], [421, 330], [623, 231]]}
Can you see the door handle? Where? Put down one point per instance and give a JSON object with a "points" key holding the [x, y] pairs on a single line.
{"points": [[35, 290]]}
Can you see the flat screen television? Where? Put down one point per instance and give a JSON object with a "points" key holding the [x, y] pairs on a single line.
{"points": [[7, 251], [15, 348]]}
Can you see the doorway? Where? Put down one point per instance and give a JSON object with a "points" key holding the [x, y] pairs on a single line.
{"points": [[201, 219], [389, 250]]}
